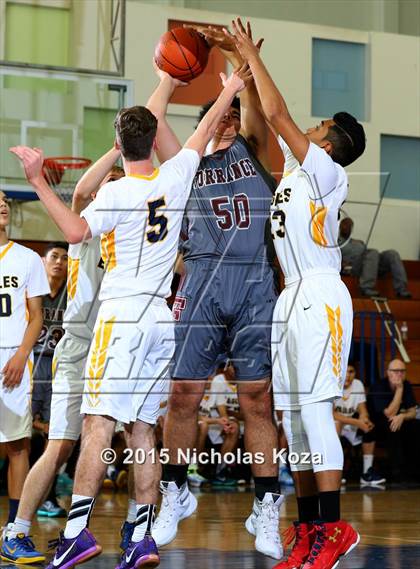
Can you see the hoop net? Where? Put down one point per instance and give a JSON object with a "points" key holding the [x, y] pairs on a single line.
{"points": [[63, 173]]}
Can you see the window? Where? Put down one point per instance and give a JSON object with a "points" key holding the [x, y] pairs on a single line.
{"points": [[400, 157], [338, 78]]}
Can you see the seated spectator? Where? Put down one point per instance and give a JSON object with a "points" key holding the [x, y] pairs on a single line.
{"points": [[354, 425], [368, 264], [219, 424], [393, 406]]}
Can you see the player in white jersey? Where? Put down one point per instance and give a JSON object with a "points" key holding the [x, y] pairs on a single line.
{"points": [[23, 282], [139, 218], [312, 322], [85, 273]]}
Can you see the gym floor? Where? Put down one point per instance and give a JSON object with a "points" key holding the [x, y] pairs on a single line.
{"points": [[214, 537]]}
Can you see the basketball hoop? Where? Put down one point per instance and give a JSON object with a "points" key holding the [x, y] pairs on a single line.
{"points": [[63, 173]]}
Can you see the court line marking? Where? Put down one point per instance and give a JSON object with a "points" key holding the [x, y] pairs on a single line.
{"points": [[416, 541]]}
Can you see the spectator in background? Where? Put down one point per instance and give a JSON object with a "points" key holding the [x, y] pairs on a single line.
{"points": [[368, 264], [53, 308], [393, 406], [354, 425]]}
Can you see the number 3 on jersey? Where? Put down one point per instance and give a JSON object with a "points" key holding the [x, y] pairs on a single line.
{"points": [[157, 222]]}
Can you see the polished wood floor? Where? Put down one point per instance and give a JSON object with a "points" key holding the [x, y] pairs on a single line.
{"points": [[214, 537]]}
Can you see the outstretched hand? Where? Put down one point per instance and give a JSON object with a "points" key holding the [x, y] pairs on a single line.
{"points": [[243, 39], [32, 160], [238, 79]]}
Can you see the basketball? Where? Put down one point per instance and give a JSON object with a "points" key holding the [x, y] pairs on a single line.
{"points": [[183, 53]]}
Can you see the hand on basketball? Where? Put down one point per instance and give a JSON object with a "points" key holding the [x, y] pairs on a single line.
{"points": [[243, 39], [396, 422], [164, 76], [13, 371], [32, 160], [238, 79]]}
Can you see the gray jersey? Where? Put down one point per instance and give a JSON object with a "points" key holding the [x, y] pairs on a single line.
{"points": [[229, 205], [52, 329]]}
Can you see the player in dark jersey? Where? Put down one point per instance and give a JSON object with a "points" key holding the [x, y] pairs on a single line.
{"points": [[53, 308], [225, 302]]}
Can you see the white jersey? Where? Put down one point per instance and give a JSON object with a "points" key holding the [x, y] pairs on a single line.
{"points": [[305, 210], [84, 276], [139, 220], [22, 276], [225, 393], [352, 397]]}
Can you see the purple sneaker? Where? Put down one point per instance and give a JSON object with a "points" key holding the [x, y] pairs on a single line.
{"points": [[71, 552], [141, 554]]}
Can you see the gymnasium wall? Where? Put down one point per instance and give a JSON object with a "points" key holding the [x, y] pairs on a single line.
{"points": [[392, 91]]}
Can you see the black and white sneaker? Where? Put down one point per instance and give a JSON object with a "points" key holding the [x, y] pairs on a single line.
{"points": [[371, 478]]}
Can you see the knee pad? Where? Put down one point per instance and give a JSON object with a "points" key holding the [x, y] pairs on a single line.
{"points": [[297, 441], [324, 442]]}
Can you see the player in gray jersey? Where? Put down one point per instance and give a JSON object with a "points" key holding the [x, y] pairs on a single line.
{"points": [[224, 302]]}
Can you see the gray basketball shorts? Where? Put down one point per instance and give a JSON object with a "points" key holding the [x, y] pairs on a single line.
{"points": [[223, 309]]}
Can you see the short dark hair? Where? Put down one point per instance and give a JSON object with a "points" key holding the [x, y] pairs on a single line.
{"points": [[136, 130], [347, 137], [236, 104], [116, 173], [55, 245]]}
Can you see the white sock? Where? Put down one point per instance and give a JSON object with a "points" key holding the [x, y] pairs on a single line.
{"points": [[132, 511], [78, 518], [367, 462], [19, 526], [144, 521]]}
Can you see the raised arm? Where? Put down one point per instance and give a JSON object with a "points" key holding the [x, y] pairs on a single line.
{"points": [[92, 178], [74, 228], [273, 103], [253, 124], [208, 124], [167, 143]]}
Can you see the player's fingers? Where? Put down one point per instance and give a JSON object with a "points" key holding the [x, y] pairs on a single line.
{"points": [[248, 30], [241, 26], [223, 77], [228, 34], [259, 43], [17, 151]]}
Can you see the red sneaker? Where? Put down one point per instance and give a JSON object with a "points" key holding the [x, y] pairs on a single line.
{"points": [[333, 541], [304, 536]]}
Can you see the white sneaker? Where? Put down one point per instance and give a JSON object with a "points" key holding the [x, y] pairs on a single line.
{"points": [[177, 504], [5, 529], [264, 524]]}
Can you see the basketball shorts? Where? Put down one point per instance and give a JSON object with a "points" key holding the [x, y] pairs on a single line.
{"points": [[42, 387], [223, 309], [69, 363], [15, 404], [311, 335], [127, 369]]}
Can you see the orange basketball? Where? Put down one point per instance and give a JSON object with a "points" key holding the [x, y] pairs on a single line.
{"points": [[183, 53]]}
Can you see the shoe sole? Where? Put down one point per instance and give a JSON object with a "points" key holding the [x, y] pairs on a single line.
{"points": [[249, 526], [350, 549], [23, 560], [189, 512], [376, 483], [148, 561], [83, 557], [50, 515]]}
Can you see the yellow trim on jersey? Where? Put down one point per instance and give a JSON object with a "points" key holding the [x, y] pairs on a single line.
{"points": [[336, 331], [54, 368], [6, 249], [73, 266], [318, 215], [97, 360], [30, 365], [108, 250], [152, 176]]}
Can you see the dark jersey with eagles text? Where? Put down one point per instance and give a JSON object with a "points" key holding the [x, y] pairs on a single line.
{"points": [[52, 329]]}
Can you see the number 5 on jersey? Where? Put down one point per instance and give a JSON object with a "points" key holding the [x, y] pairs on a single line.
{"points": [[157, 222]]}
